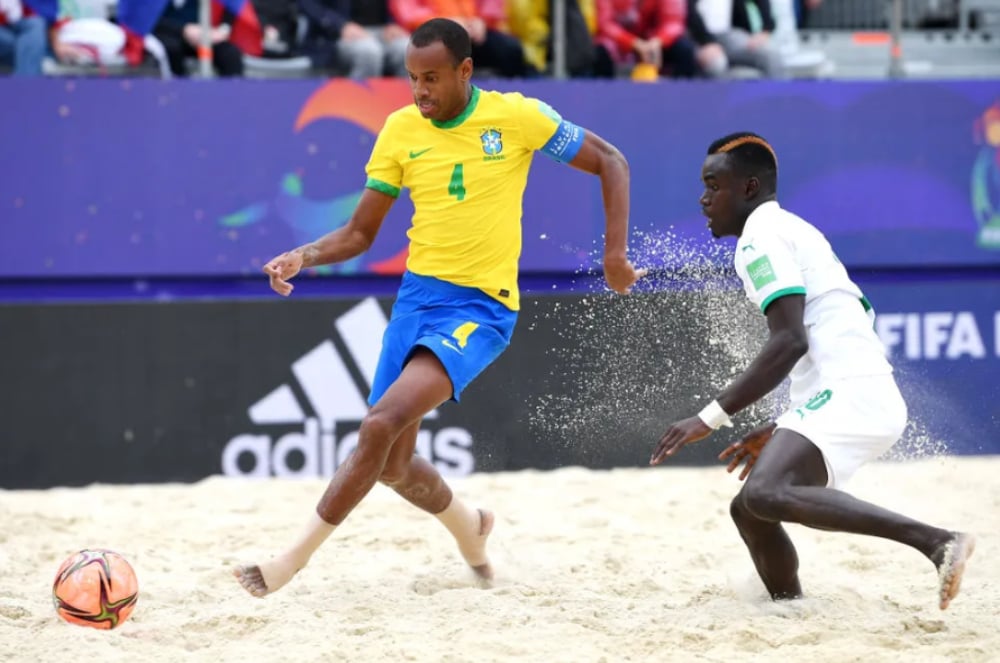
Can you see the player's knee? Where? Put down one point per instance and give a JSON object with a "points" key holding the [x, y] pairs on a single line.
{"points": [[765, 500], [381, 427], [393, 473], [738, 510]]}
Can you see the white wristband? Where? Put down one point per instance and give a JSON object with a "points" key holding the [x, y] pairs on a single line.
{"points": [[714, 416]]}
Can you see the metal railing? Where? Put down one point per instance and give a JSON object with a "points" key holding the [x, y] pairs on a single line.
{"points": [[896, 67], [557, 23], [205, 47]]}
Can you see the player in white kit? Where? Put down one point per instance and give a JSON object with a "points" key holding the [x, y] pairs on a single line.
{"points": [[845, 407]]}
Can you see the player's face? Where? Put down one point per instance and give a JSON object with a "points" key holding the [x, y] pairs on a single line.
{"points": [[439, 87], [722, 200]]}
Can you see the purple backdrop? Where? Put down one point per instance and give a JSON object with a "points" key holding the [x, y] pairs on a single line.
{"points": [[182, 178]]}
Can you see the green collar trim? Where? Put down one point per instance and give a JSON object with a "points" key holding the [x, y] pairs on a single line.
{"points": [[464, 115]]}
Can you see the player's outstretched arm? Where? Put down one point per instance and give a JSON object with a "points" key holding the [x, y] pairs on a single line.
{"points": [[786, 344], [344, 243], [599, 157]]}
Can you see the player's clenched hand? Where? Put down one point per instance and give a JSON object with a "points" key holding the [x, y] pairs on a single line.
{"points": [[281, 269], [747, 448], [683, 432], [621, 275]]}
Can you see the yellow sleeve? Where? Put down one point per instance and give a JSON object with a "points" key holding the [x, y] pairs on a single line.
{"points": [[385, 173], [538, 121]]}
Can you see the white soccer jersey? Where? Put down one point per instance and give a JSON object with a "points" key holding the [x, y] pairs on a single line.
{"points": [[781, 254]]}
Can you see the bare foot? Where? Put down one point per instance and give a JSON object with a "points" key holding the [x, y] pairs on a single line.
{"points": [[266, 578], [474, 551], [950, 560]]}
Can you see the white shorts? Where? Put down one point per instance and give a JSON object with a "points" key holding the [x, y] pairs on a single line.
{"points": [[852, 421]]}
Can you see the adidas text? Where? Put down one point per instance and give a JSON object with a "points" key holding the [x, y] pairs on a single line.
{"points": [[310, 433], [313, 454]]}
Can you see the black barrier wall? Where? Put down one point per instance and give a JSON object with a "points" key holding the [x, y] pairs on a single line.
{"points": [[181, 391]]}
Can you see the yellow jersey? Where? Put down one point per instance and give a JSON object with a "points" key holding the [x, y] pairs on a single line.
{"points": [[466, 179]]}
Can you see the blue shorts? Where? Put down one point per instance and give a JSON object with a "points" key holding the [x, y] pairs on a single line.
{"points": [[465, 328]]}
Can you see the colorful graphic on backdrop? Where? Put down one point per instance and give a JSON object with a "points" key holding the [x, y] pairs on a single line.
{"points": [[143, 179], [986, 178], [365, 105]]}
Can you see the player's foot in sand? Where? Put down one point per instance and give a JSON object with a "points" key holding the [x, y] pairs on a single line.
{"points": [[950, 559], [266, 578], [473, 548]]}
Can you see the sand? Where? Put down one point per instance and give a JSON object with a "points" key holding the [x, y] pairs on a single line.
{"points": [[623, 565]]}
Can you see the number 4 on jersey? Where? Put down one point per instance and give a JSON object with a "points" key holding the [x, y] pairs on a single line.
{"points": [[457, 185]]}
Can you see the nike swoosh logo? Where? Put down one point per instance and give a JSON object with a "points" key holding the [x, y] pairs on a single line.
{"points": [[448, 344], [414, 155]]}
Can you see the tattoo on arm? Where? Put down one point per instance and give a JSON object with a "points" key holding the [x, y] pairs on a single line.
{"points": [[310, 255]]}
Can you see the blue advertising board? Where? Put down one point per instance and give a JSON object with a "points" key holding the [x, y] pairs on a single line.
{"points": [[943, 339], [127, 178]]}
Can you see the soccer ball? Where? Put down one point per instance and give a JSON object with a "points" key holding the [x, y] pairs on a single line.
{"points": [[95, 588]]}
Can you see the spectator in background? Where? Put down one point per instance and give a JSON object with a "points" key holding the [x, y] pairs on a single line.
{"points": [[743, 29], [711, 55], [483, 20], [356, 34], [180, 33], [22, 38], [803, 8], [82, 34], [650, 32], [279, 22], [88, 40], [530, 21]]}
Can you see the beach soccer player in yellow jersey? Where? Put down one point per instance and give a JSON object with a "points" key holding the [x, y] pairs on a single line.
{"points": [[464, 154]]}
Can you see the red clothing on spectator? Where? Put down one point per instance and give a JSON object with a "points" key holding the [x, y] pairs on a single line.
{"points": [[25, 12], [621, 22], [247, 33]]}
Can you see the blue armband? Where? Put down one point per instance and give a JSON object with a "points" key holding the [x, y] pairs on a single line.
{"points": [[565, 142]]}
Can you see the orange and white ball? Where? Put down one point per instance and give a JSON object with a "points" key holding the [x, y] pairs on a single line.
{"points": [[95, 588]]}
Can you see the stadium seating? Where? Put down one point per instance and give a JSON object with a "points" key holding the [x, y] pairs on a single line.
{"points": [[843, 39]]}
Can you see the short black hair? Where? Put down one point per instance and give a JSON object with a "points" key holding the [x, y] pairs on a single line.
{"points": [[749, 153], [454, 37]]}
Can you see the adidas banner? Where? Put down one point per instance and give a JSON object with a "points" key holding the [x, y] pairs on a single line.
{"points": [[155, 392], [181, 391]]}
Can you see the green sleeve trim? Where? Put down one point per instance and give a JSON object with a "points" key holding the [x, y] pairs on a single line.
{"points": [[382, 187], [866, 304], [797, 290]]}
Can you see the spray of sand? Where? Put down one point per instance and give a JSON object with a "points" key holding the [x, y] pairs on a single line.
{"points": [[631, 360]]}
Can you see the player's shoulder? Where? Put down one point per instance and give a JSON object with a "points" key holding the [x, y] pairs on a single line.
{"points": [[518, 102], [746, 247], [405, 118], [772, 220], [501, 103], [800, 230], [495, 97], [764, 228]]}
